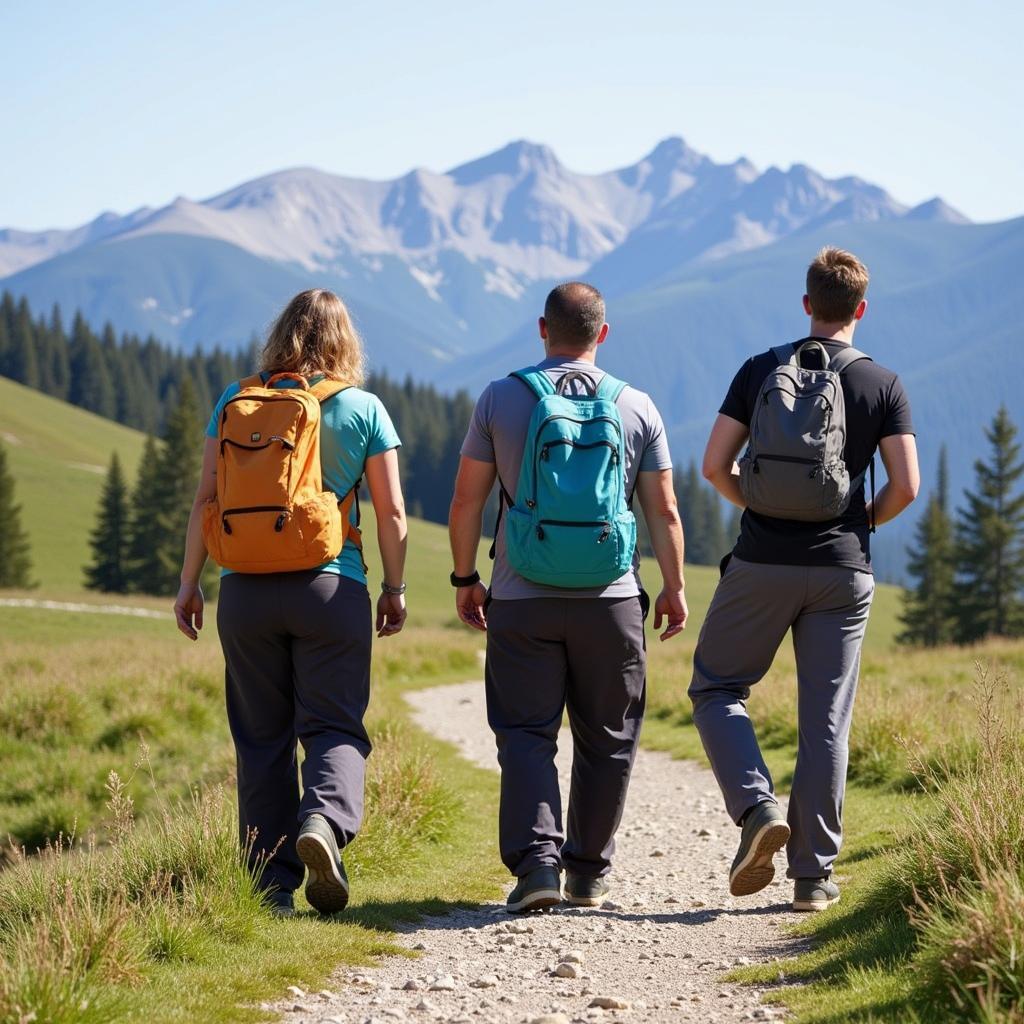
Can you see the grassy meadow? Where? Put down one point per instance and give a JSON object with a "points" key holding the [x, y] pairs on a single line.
{"points": [[116, 760]]}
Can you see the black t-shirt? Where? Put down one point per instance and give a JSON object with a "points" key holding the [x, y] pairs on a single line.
{"points": [[876, 407]]}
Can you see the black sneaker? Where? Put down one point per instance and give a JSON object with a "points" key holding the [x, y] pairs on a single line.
{"points": [[585, 890], [812, 894], [278, 903], [536, 890], [764, 833], [327, 885]]}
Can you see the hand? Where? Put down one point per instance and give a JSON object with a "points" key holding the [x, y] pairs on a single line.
{"points": [[671, 606], [469, 603], [188, 610], [391, 614]]}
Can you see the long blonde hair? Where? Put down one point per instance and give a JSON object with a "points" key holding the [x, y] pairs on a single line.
{"points": [[314, 334]]}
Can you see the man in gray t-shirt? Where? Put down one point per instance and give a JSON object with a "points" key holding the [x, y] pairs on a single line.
{"points": [[552, 648], [497, 434]]}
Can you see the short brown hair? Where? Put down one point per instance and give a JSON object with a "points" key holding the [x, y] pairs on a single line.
{"points": [[315, 334], [574, 314], [836, 283]]}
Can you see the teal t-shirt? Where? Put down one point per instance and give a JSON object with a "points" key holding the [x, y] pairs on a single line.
{"points": [[353, 426]]}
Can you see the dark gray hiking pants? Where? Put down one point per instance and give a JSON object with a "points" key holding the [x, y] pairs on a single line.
{"points": [[753, 607], [543, 655], [297, 653]]}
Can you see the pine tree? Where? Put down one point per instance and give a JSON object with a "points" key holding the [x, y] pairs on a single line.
{"points": [[22, 359], [990, 552], [942, 479], [15, 557], [60, 371], [144, 565], [91, 386], [180, 461], [109, 538], [929, 606]]}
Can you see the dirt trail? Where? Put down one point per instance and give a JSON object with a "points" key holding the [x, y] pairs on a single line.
{"points": [[82, 606], [656, 952]]}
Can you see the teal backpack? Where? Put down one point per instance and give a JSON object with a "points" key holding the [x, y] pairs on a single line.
{"points": [[570, 525]]}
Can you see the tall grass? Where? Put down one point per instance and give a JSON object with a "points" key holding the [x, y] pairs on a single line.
{"points": [[960, 873], [82, 928]]}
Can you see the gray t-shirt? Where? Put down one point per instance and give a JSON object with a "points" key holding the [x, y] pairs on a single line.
{"points": [[497, 434]]}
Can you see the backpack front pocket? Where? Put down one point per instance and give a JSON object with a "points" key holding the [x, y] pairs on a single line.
{"points": [[564, 553]]}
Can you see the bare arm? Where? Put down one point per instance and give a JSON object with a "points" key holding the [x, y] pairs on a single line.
{"points": [[899, 456], [658, 500], [188, 605], [465, 520], [392, 536], [727, 438]]}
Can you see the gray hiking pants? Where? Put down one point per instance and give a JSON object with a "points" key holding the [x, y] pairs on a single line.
{"points": [[297, 653], [827, 609], [544, 655]]}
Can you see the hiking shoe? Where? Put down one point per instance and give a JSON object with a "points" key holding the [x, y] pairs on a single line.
{"points": [[764, 833], [327, 885], [537, 889], [281, 907], [813, 894], [585, 890]]}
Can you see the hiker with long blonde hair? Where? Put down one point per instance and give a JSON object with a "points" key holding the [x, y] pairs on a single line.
{"points": [[277, 508]]}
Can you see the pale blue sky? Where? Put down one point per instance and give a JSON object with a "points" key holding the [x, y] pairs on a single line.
{"points": [[115, 105]]}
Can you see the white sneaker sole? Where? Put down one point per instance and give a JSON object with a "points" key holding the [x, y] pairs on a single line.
{"points": [[536, 900], [326, 890], [757, 869], [588, 901], [813, 906]]}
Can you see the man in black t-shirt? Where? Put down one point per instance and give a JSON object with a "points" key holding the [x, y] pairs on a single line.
{"points": [[812, 577]]}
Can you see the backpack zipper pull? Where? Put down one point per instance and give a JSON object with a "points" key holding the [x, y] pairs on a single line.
{"points": [[540, 533], [757, 468], [605, 534], [281, 519], [226, 524]]}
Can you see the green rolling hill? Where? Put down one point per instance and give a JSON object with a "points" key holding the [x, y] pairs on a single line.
{"points": [[58, 455]]}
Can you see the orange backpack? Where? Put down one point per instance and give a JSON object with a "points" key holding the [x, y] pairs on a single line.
{"points": [[271, 513]]}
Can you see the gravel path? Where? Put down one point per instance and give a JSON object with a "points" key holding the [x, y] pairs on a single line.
{"points": [[656, 952]]}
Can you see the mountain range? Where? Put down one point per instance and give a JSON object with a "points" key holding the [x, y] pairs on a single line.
{"points": [[701, 262]]}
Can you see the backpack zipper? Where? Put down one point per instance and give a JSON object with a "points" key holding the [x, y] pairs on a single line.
{"points": [[605, 534], [788, 458], [278, 524], [288, 446], [576, 444], [532, 502]]}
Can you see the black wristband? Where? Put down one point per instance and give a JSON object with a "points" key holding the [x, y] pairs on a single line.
{"points": [[465, 581], [398, 591]]}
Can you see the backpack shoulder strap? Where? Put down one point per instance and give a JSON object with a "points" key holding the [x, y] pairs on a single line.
{"points": [[846, 358], [610, 388], [536, 380], [784, 353], [325, 389]]}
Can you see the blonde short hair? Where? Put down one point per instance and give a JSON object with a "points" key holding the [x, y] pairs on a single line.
{"points": [[315, 335], [836, 283]]}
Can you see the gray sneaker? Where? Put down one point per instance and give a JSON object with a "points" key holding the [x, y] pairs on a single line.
{"points": [[327, 885], [764, 833], [536, 890], [585, 890], [813, 894]]}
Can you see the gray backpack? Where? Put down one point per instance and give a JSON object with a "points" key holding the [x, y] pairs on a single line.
{"points": [[794, 467]]}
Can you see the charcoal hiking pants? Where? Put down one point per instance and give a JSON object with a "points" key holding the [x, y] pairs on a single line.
{"points": [[754, 606], [297, 653], [544, 655]]}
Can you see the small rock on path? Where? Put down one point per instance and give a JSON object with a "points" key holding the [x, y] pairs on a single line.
{"points": [[655, 953]]}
